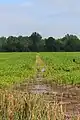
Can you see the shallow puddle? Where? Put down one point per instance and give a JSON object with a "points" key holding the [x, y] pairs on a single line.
{"points": [[39, 89]]}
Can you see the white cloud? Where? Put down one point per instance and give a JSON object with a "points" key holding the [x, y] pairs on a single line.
{"points": [[49, 17]]}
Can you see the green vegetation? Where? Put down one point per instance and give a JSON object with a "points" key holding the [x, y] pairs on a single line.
{"points": [[35, 43], [17, 104], [62, 67], [15, 67]]}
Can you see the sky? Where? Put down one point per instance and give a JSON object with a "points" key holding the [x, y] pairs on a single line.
{"points": [[47, 17]]}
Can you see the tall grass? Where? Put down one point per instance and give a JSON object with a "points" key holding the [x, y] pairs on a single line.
{"points": [[24, 106]]}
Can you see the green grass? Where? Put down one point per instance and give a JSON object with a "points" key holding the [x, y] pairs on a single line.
{"points": [[15, 67], [61, 68]]}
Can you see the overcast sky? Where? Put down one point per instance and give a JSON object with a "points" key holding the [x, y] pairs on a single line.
{"points": [[48, 17]]}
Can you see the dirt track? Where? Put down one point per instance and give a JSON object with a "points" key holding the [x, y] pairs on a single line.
{"points": [[67, 95]]}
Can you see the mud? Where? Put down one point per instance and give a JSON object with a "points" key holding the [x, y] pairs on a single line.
{"points": [[66, 95]]}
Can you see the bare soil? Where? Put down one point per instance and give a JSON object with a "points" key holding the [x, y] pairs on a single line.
{"points": [[66, 95]]}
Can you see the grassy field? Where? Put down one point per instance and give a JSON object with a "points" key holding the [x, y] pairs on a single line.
{"points": [[61, 68], [15, 67], [18, 104]]}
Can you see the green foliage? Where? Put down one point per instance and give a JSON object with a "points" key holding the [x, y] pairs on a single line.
{"points": [[50, 44], [35, 43], [15, 67], [61, 68], [35, 39]]}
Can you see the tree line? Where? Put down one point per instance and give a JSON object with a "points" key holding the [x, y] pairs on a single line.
{"points": [[35, 43]]}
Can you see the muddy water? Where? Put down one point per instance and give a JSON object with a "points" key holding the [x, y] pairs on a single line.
{"points": [[68, 96], [39, 89]]}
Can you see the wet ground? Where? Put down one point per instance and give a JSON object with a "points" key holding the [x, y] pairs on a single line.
{"points": [[67, 95]]}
